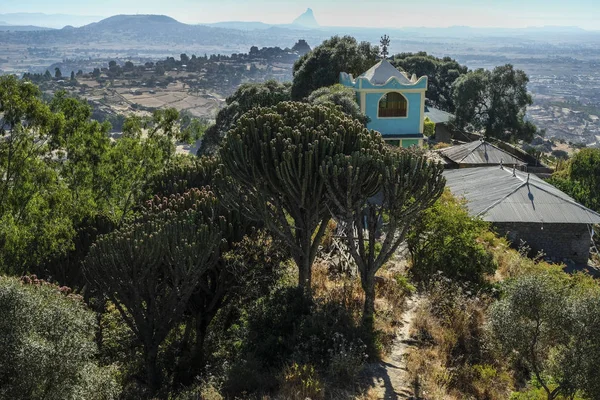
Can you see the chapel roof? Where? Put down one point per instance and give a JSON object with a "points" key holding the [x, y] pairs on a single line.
{"points": [[380, 74]]}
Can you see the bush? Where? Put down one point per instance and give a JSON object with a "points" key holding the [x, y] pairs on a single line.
{"points": [[288, 328], [300, 382], [47, 341], [429, 127], [453, 360], [446, 240]]}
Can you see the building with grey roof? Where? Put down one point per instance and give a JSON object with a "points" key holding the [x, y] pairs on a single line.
{"points": [[478, 154], [525, 208]]}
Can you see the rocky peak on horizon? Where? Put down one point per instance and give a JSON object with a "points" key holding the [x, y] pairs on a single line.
{"points": [[307, 19]]}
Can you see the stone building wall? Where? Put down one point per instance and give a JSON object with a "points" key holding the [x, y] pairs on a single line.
{"points": [[557, 241]]}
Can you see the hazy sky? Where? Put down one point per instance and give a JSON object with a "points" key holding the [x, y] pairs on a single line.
{"points": [[372, 13]]}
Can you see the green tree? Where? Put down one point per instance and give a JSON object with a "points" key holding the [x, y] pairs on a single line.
{"points": [[72, 76], [441, 74], [378, 193], [274, 154], [341, 97], [48, 349], [551, 325], [581, 178], [34, 211], [494, 102], [322, 66], [429, 128], [151, 267], [445, 240], [246, 97], [57, 73]]}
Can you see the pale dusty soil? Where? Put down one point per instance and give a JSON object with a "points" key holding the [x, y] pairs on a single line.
{"points": [[390, 376]]}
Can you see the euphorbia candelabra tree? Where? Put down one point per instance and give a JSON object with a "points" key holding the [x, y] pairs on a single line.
{"points": [[151, 266], [274, 155], [379, 194]]}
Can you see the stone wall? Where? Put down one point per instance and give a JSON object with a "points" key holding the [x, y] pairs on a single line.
{"points": [[557, 241]]}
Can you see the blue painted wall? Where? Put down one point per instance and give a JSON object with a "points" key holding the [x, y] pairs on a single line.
{"points": [[414, 93], [409, 125]]}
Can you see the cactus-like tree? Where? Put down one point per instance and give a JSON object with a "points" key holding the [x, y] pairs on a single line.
{"points": [[274, 154], [152, 266], [377, 196]]}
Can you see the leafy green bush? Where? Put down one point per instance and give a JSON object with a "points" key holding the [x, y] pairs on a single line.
{"points": [[551, 325], [287, 327], [47, 341], [429, 127], [446, 240]]}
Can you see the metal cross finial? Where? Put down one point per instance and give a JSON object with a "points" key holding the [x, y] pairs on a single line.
{"points": [[385, 43]]}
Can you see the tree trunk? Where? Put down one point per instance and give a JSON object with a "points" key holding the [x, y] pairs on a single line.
{"points": [[198, 357], [304, 273], [368, 319], [152, 371]]}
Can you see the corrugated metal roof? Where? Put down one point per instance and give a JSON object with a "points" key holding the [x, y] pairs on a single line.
{"points": [[437, 116], [480, 152], [494, 194], [381, 72]]}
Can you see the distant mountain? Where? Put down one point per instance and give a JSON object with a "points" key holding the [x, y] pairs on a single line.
{"points": [[160, 33], [306, 20], [22, 28], [133, 22], [47, 20], [240, 25]]}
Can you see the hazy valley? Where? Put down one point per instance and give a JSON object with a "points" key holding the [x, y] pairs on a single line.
{"points": [[562, 63]]}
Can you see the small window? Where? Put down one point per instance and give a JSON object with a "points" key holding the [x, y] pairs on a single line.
{"points": [[393, 104]]}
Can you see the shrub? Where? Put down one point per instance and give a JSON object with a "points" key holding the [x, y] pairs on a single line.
{"points": [[446, 240], [429, 127], [300, 382], [47, 341], [551, 325]]}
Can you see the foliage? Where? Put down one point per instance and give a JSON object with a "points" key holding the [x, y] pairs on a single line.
{"points": [[47, 344], [446, 240], [63, 180], [494, 102], [453, 359], [34, 209], [300, 382], [552, 327], [441, 74], [287, 327], [246, 97], [274, 155], [429, 128], [379, 193], [581, 178], [341, 97], [322, 66], [151, 267]]}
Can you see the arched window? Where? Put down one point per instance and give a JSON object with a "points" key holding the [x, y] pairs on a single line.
{"points": [[393, 104]]}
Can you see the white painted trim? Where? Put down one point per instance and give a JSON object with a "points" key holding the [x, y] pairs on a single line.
{"points": [[391, 90], [392, 118], [422, 126], [363, 103], [391, 78]]}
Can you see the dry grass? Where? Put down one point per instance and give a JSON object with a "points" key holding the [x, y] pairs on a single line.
{"points": [[391, 291], [452, 361]]}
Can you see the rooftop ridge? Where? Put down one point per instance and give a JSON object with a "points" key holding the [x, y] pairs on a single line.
{"points": [[527, 182], [472, 150]]}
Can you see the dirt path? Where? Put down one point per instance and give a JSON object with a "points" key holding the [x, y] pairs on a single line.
{"points": [[390, 375]]}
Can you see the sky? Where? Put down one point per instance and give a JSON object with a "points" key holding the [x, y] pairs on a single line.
{"points": [[363, 13]]}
